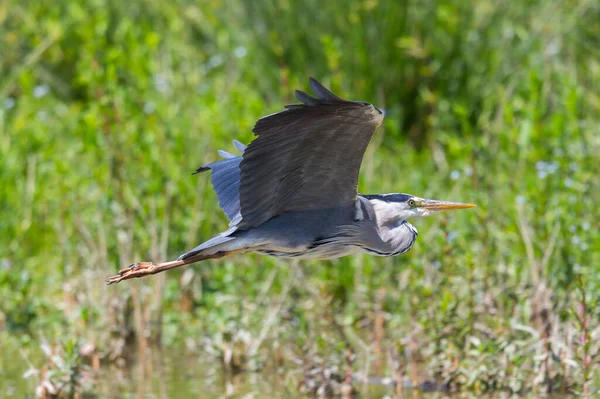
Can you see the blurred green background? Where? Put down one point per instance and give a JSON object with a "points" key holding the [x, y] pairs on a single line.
{"points": [[106, 107]]}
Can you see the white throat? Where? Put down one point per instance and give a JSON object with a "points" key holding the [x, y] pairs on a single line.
{"points": [[392, 213]]}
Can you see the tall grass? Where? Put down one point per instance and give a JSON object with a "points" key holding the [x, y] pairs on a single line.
{"points": [[106, 107]]}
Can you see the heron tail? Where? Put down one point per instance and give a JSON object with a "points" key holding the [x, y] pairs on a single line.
{"points": [[211, 246], [228, 242]]}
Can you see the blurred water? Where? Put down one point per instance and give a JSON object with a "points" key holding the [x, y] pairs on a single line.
{"points": [[175, 374]]}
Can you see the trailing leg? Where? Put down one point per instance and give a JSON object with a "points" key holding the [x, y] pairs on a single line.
{"points": [[142, 269]]}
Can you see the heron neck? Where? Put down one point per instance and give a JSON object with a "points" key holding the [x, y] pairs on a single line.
{"points": [[400, 236], [392, 226]]}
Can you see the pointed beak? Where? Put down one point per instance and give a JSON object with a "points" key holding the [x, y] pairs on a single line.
{"points": [[433, 205]]}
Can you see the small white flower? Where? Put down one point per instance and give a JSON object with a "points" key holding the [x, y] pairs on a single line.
{"points": [[552, 167], [240, 52], [161, 83], [451, 236], [553, 48], [4, 264], [149, 107], [40, 90], [574, 166], [214, 61], [9, 102]]}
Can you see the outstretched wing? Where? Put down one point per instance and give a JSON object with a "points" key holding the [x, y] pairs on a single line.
{"points": [[225, 179], [306, 157]]}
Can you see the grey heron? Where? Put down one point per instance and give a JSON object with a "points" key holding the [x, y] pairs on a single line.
{"points": [[292, 192]]}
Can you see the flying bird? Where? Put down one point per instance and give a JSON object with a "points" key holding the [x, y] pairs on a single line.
{"points": [[292, 192]]}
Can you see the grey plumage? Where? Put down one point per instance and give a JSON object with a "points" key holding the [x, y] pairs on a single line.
{"points": [[305, 158], [293, 191]]}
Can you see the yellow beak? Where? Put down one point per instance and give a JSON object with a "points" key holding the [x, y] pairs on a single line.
{"points": [[444, 205]]}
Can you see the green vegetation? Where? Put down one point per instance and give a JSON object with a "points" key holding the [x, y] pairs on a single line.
{"points": [[106, 107]]}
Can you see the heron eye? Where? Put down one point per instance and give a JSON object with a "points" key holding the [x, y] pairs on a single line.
{"points": [[411, 203]]}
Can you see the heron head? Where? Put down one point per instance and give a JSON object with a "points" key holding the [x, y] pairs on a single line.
{"points": [[406, 206]]}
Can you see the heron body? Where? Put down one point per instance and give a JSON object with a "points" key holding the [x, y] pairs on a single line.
{"points": [[292, 192], [327, 234]]}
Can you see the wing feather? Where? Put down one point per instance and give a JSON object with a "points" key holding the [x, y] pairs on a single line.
{"points": [[239, 146], [225, 179], [306, 157]]}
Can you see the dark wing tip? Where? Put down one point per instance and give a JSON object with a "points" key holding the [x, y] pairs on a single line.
{"points": [[306, 98], [294, 106], [200, 170], [323, 93]]}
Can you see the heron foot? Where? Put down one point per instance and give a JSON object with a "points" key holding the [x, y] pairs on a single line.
{"points": [[135, 270]]}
